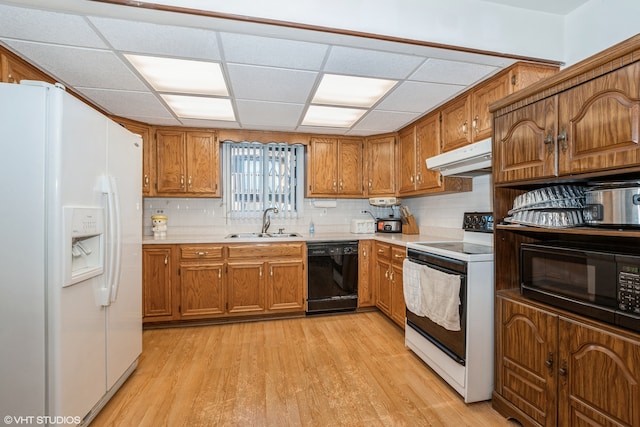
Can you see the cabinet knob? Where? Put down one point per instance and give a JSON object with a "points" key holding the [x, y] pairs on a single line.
{"points": [[562, 138], [548, 141], [563, 370], [189, 181], [464, 127], [166, 259], [181, 181], [474, 124], [411, 179], [146, 180], [549, 362]]}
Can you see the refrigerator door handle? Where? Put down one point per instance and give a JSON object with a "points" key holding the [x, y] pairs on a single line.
{"points": [[114, 252]]}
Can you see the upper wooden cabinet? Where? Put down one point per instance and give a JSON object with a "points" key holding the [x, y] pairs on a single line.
{"points": [[467, 119], [187, 163], [417, 143], [13, 69], [379, 167], [588, 128], [335, 167], [148, 178]]}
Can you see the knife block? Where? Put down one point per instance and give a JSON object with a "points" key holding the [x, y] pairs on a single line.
{"points": [[409, 226]]}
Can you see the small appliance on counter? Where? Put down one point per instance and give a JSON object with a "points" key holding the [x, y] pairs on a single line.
{"points": [[363, 226], [389, 225], [613, 204]]}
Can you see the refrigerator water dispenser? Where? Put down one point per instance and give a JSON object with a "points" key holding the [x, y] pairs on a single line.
{"points": [[84, 244]]}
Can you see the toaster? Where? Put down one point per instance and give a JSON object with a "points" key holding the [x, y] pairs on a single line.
{"points": [[363, 226]]}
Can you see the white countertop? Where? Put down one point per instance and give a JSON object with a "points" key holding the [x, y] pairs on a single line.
{"points": [[392, 238]]}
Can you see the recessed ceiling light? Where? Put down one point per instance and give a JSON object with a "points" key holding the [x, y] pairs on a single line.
{"points": [[352, 91], [332, 116], [181, 75], [199, 107]]}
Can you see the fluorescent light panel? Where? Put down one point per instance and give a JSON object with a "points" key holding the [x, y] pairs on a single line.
{"points": [[351, 91], [332, 116], [199, 107], [181, 75]]}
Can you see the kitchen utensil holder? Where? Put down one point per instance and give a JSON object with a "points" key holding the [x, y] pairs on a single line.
{"points": [[409, 226]]}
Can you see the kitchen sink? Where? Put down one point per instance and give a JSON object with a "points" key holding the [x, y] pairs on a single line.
{"points": [[260, 235]]}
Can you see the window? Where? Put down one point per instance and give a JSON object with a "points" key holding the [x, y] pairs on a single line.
{"points": [[260, 176]]}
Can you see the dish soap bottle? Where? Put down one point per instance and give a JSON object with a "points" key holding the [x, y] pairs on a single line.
{"points": [[312, 228]]}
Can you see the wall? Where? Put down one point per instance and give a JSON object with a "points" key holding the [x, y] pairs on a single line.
{"points": [[434, 214], [597, 25]]}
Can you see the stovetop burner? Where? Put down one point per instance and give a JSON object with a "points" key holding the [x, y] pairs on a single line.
{"points": [[460, 247]]}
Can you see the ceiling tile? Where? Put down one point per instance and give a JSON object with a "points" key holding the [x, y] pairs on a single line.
{"points": [[80, 67], [49, 27], [270, 84], [247, 49], [154, 39], [125, 104], [252, 113], [418, 97], [383, 121], [451, 72], [371, 63]]}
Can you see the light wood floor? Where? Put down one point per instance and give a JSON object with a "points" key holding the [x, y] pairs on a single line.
{"points": [[339, 370]]}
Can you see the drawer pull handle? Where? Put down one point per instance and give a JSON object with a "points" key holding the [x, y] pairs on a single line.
{"points": [[398, 256], [202, 253]]}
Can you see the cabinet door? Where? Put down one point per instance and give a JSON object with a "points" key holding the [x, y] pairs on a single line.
{"points": [[148, 180], [398, 307], [599, 123], [427, 145], [13, 71], [599, 381], [366, 295], [350, 181], [285, 286], [524, 144], [456, 129], [203, 164], [481, 119], [383, 286], [527, 358], [407, 161], [380, 166], [201, 290], [245, 287], [323, 166], [170, 162], [156, 284]]}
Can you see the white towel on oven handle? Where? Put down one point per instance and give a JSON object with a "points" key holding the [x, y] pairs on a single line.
{"points": [[411, 287], [441, 297]]}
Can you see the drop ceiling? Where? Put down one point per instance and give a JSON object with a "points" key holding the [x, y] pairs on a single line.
{"points": [[271, 73]]}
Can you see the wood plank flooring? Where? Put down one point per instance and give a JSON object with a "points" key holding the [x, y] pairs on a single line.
{"points": [[337, 370]]}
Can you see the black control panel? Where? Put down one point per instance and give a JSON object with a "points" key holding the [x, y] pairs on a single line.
{"points": [[629, 291], [478, 221]]}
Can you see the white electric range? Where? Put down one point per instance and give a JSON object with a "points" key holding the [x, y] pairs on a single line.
{"points": [[464, 357]]}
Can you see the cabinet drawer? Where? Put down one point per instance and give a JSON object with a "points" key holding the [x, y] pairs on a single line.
{"points": [[254, 250], [398, 254], [383, 251], [200, 252]]}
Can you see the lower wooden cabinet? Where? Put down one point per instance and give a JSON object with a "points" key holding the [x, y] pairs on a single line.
{"points": [[366, 289], [157, 283], [556, 369], [388, 281], [188, 282]]}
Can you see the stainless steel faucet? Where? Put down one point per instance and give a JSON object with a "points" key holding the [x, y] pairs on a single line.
{"points": [[266, 222]]}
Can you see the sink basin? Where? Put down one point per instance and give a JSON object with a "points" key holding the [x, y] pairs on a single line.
{"points": [[260, 235]]}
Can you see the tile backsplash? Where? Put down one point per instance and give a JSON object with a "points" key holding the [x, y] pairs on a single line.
{"points": [[207, 216]]}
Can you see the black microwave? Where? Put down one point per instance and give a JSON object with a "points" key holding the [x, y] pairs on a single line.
{"points": [[602, 282]]}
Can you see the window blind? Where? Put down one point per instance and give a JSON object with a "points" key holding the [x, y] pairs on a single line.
{"points": [[260, 176]]}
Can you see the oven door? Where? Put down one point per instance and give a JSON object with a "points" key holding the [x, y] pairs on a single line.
{"points": [[453, 343]]}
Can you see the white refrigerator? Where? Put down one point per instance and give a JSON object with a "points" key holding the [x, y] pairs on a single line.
{"points": [[70, 256]]}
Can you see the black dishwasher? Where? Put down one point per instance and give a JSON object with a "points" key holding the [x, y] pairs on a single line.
{"points": [[332, 276]]}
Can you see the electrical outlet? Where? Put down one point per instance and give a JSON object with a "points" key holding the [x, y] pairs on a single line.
{"points": [[363, 211], [159, 211]]}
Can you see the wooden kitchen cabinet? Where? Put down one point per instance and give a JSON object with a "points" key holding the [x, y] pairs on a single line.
{"points": [[14, 69], [335, 167], [581, 125], [366, 289], [379, 167], [187, 163], [202, 285], [467, 118], [389, 286], [157, 283], [266, 278], [148, 176], [556, 369]]}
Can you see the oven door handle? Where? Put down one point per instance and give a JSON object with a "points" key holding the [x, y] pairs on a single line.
{"points": [[440, 268]]}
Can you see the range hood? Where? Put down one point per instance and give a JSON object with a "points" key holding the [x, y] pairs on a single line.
{"points": [[470, 160]]}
